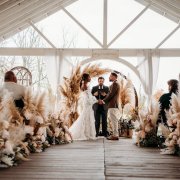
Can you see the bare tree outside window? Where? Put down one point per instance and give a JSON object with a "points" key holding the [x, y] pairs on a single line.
{"points": [[28, 38]]}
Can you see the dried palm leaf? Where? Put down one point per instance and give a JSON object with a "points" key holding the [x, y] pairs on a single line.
{"points": [[175, 103], [41, 107], [165, 130], [126, 93], [154, 110], [157, 94], [14, 113]]}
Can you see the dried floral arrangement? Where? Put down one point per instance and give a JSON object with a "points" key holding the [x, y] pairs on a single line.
{"points": [[126, 102], [70, 90], [172, 132], [158, 94], [146, 127], [28, 130]]}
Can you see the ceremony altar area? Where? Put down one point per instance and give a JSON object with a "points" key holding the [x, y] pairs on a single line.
{"points": [[49, 45]]}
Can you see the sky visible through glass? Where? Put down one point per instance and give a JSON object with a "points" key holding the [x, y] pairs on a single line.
{"points": [[147, 32]]}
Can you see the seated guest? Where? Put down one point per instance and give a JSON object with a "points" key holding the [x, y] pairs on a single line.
{"points": [[17, 91], [165, 100]]}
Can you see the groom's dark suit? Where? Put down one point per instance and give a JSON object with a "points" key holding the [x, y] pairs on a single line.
{"points": [[100, 110]]}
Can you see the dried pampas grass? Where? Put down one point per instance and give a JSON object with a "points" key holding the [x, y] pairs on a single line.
{"points": [[126, 93], [41, 106], [156, 96], [175, 103], [153, 111], [94, 70], [15, 116], [70, 90], [165, 130]]}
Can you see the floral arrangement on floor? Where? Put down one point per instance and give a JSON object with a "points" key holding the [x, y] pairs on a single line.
{"points": [[146, 127], [28, 130], [126, 102], [172, 132], [70, 90]]}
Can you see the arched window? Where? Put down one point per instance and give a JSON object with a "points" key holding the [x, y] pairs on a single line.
{"points": [[23, 75]]}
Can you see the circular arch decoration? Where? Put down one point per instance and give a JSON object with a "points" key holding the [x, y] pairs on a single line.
{"points": [[120, 60], [24, 76]]}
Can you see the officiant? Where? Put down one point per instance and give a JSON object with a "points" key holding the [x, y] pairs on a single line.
{"points": [[100, 110]]}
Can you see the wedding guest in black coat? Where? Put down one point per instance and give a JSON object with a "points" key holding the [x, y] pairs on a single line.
{"points": [[165, 100]]}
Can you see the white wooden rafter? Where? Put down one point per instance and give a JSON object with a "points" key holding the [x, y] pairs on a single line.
{"points": [[168, 36], [5, 5], [37, 18], [83, 27], [132, 22], [167, 7], [28, 13], [42, 35], [15, 10], [105, 23], [84, 52]]}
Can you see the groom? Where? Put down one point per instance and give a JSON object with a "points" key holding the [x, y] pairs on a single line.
{"points": [[100, 110], [112, 100]]}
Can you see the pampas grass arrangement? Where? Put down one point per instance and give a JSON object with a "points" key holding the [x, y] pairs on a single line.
{"points": [[27, 131], [172, 132], [126, 102], [70, 90], [126, 93], [146, 135]]}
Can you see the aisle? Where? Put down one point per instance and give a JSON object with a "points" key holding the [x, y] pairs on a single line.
{"points": [[125, 161], [85, 160], [79, 160]]}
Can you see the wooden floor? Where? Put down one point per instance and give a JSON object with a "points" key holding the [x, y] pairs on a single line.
{"points": [[101, 159]]}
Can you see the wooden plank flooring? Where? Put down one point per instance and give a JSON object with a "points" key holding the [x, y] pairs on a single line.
{"points": [[124, 160], [79, 160], [98, 160]]}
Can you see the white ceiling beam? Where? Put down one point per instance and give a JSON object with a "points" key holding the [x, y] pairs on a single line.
{"points": [[105, 26], [53, 10], [35, 19], [7, 5], [26, 12], [3, 1], [175, 3], [167, 37], [167, 7], [15, 9], [132, 22], [84, 52], [85, 29], [24, 19], [42, 35]]}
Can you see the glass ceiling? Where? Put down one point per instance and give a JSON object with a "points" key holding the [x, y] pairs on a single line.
{"points": [[147, 32]]}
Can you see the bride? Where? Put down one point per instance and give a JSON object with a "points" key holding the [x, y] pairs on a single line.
{"points": [[84, 127]]}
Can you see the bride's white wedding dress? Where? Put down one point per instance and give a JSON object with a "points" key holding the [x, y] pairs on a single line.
{"points": [[84, 127]]}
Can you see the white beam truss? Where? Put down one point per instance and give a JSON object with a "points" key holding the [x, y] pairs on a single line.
{"points": [[167, 7], [132, 22], [42, 35], [3, 1], [15, 20], [105, 24], [86, 30], [5, 5], [29, 10], [96, 53], [167, 37]]}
